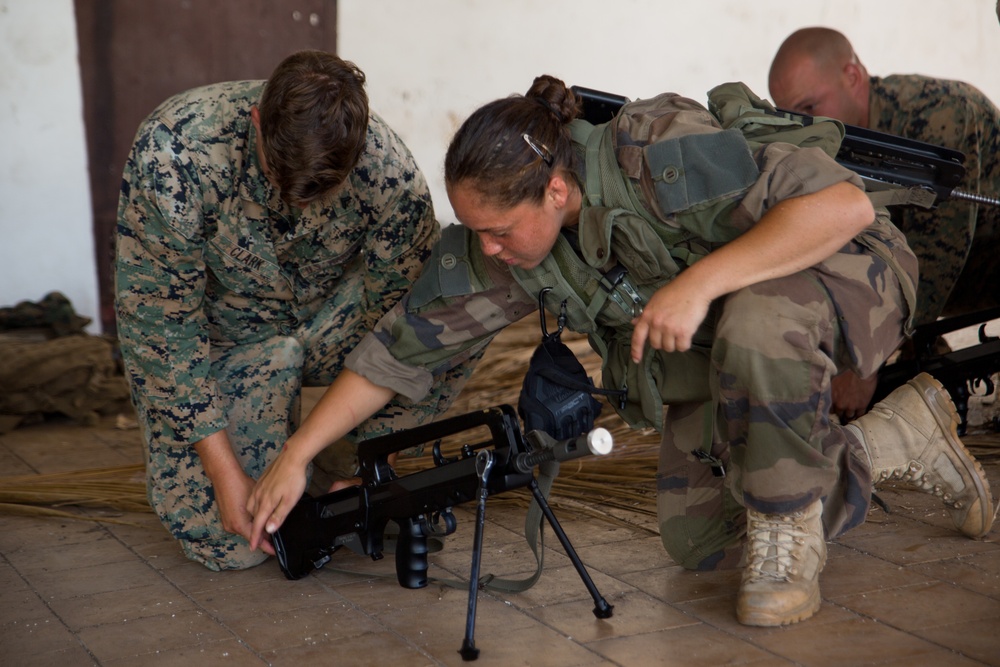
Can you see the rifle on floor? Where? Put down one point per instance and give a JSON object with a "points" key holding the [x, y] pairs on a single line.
{"points": [[908, 172], [420, 503]]}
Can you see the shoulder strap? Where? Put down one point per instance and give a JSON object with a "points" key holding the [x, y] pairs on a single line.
{"points": [[736, 106], [606, 186]]}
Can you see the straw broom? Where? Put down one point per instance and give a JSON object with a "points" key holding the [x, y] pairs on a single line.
{"points": [[619, 487], [120, 488]]}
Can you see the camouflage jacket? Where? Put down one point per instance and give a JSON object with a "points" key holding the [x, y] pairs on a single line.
{"points": [[955, 115], [208, 254], [438, 323]]}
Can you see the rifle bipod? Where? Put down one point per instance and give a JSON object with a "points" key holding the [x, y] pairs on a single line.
{"points": [[484, 464]]}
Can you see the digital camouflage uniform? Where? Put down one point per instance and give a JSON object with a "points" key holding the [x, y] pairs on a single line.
{"points": [[956, 243], [229, 301], [755, 389]]}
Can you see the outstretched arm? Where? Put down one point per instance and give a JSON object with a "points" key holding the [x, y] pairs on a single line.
{"points": [[793, 235], [350, 400]]}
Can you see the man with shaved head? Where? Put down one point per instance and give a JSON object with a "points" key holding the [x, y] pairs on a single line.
{"points": [[816, 71]]}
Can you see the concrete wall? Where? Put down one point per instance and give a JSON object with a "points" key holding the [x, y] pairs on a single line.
{"points": [[46, 224], [430, 63]]}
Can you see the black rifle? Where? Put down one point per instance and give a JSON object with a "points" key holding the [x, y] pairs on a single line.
{"points": [[419, 503], [924, 175]]}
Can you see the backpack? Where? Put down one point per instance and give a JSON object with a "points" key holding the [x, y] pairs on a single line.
{"points": [[737, 107]]}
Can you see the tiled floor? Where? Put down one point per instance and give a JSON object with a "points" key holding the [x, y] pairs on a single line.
{"points": [[903, 589]]}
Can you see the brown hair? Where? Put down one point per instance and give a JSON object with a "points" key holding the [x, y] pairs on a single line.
{"points": [[313, 123], [508, 149]]}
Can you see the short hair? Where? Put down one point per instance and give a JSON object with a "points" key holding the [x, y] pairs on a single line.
{"points": [[313, 123]]}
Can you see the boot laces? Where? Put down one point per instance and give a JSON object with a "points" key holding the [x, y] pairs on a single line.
{"points": [[916, 476], [775, 543]]}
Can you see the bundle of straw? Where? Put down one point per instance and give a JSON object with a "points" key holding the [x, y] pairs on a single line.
{"points": [[120, 488]]}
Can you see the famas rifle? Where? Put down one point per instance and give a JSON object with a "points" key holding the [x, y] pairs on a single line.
{"points": [[420, 503]]}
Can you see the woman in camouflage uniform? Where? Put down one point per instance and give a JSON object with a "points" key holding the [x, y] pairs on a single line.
{"points": [[727, 282]]}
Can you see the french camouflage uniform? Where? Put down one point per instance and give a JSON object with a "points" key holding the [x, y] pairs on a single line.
{"points": [[229, 301], [753, 395], [956, 243]]}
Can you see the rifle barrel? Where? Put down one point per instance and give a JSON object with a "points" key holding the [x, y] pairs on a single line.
{"points": [[972, 196]]}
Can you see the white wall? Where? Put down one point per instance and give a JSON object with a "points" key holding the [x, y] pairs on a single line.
{"points": [[46, 222], [432, 62]]}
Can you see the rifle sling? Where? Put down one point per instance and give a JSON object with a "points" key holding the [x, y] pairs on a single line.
{"points": [[547, 472]]}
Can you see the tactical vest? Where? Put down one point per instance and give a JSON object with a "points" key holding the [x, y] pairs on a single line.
{"points": [[625, 253], [621, 253]]}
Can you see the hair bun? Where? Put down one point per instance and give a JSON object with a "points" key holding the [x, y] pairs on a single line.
{"points": [[556, 97]]}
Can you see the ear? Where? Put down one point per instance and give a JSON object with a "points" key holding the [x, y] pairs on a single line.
{"points": [[255, 117], [558, 190], [853, 75]]}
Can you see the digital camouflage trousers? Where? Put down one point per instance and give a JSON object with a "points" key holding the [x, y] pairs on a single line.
{"points": [[262, 385]]}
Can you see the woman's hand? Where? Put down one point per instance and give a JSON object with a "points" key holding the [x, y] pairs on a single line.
{"points": [[274, 496], [851, 395], [349, 400], [670, 319]]}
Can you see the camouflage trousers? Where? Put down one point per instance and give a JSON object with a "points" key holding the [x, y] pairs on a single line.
{"points": [[262, 383], [777, 346]]}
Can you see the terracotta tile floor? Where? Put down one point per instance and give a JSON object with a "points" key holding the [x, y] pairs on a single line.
{"points": [[903, 589]]}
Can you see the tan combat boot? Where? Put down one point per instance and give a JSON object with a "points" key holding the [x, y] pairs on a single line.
{"points": [[784, 555], [911, 436]]}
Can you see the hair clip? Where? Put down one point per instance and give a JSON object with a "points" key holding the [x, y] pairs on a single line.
{"points": [[540, 149]]}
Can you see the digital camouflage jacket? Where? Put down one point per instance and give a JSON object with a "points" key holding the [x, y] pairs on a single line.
{"points": [[956, 115], [209, 256]]}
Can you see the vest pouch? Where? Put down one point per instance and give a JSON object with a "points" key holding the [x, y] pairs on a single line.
{"points": [[694, 171], [616, 233], [659, 379]]}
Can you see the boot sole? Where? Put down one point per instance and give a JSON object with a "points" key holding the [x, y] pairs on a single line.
{"points": [[939, 401], [763, 619]]}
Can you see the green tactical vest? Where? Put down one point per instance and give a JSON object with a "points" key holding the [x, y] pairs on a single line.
{"points": [[625, 253]]}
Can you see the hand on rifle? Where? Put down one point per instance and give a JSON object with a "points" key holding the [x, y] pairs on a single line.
{"points": [[275, 494]]}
